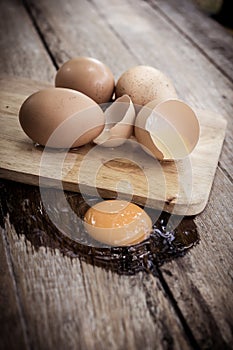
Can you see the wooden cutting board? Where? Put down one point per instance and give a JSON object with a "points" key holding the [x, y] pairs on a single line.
{"points": [[181, 187]]}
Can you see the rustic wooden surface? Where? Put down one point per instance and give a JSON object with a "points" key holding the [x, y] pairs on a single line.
{"points": [[21, 161], [47, 299]]}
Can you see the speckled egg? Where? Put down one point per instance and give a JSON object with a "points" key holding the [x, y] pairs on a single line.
{"points": [[144, 84]]}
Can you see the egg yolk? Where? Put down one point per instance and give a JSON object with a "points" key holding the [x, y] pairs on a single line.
{"points": [[117, 223]]}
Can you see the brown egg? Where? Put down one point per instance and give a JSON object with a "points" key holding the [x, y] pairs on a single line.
{"points": [[89, 76], [144, 84], [61, 118]]}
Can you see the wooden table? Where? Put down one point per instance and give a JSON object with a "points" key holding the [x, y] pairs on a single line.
{"points": [[50, 300]]}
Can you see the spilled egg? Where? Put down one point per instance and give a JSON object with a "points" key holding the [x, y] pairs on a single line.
{"points": [[117, 223]]}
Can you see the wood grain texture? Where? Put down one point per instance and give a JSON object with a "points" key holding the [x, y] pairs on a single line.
{"points": [[203, 290], [208, 35], [139, 28], [181, 187], [57, 295], [53, 288], [22, 52], [80, 306], [157, 42], [11, 318], [83, 34]]}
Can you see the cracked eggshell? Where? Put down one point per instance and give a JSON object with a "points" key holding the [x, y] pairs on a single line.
{"points": [[119, 125], [168, 131], [61, 118], [144, 84], [89, 76]]}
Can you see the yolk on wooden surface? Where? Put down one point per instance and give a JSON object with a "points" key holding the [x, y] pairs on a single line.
{"points": [[117, 222]]}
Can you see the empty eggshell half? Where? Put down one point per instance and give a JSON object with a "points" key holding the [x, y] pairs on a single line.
{"points": [[119, 124], [169, 131]]}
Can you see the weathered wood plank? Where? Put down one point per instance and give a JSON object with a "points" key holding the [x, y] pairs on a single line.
{"points": [[210, 37], [47, 279], [201, 282], [83, 34], [64, 300], [118, 17], [11, 319], [70, 304], [22, 53], [155, 41], [139, 27]]}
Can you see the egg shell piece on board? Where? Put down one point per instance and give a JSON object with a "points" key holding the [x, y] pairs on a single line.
{"points": [[119, 125], [168, 131], [61, 118]]}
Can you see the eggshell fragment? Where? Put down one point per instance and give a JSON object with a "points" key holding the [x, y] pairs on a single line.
{"points": [[87, 75], [117, 223], [61, 118], [169, 131], [119, 125], [144, 84]]}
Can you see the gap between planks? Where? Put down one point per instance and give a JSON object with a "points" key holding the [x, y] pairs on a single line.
{"points": [[159, 8], [40, 34], [6, 248]]}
